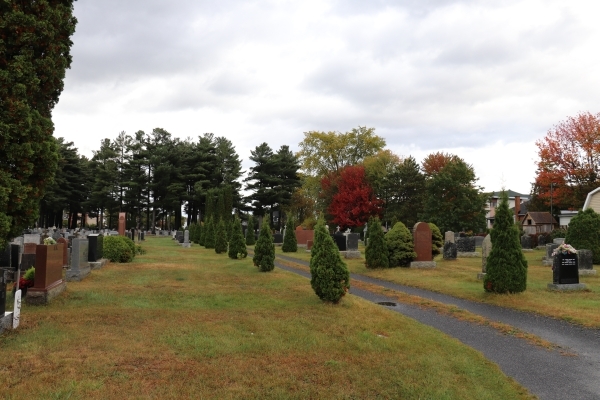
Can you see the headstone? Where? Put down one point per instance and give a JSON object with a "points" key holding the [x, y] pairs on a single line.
{"points": [[186, 239], [478, 240], [559, 241], [95, 247], [422, 241], [80, 267], [122, 223], [113, 233], [48, 281], [548, 259], [565, 269], [585, 259], [465, 244], [340, 241], [526, 242], [179, 236], [449, 252], [32, 238], [541, 240], [309, 245], [65, 250], [277, 238], [143, 236], [352, 245], [5, 257], [486, 249], [56, 235], [449, 237], [16, 256]]}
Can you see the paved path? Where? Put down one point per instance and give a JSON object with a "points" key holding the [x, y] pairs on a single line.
{"points": [[549, 374]]}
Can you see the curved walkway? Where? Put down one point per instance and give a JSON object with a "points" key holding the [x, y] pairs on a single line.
{"points": [[570, 372]]}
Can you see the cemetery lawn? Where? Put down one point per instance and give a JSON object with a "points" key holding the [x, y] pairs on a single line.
{"points": [[188, 323], [459, 278]]}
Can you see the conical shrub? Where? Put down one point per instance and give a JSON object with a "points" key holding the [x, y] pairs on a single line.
{"points": [[506, 268], [401, 249], [584, 233], [264, 251], [220, 237], [330, 278], [290, 243], [237, 244], [376, 253], [250, 239], [209, 237], [437, 240]]}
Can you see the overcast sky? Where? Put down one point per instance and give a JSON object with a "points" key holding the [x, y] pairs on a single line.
{"points": [[480, 79]]}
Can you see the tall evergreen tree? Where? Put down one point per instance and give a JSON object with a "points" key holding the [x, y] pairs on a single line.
{"points": [[330, 278], [506, 268], [264, 251], [237, 245], [290, 243], [250, 239], [376, 253], [220, 238], [34, 54], [209, 236]]}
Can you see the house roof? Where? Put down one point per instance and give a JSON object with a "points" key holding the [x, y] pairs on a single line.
{"points": [[511, 194], [541, 217]]}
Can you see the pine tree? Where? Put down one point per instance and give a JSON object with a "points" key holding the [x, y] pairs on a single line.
{"points": [[209, 237], [202, 233], [584, 233], [437, 240], [330, 278], [250, 239], [376, 253], [220, 237], [290, 243], [401, 249], [264, 251], [506, 268], [237, 244]]}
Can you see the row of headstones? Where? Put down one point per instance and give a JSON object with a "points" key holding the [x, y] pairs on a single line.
{"points": [[183, 238], [455, 244]]}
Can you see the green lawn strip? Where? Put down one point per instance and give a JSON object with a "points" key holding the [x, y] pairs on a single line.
{"points": [[191, 323], [459, 278]]}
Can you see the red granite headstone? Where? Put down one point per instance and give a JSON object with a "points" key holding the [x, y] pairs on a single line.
{"points": [[65, 251], [309, 244], [29, 248], [422, 240], [48, 267], [122, 223]]}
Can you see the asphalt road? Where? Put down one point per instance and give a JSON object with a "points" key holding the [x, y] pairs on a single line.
{"points": [[571, 371]]}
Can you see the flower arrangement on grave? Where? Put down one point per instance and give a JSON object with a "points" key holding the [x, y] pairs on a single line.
{"points": [[49, 241], [564, 249], [26, 281]]}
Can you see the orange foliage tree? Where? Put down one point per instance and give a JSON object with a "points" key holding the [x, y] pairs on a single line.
{"points": [[569, 159], [434, 162]]}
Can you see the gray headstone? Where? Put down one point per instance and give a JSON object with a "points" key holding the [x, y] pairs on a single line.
{"points": [[559, 240], [352, 241], [549, 249], [526, 242], [277, 238], [449, 237], [478, 241], [585, 258], [186, 236], [79, 254], [541, 240], [449, 252], [32, 238], [486, 248]]}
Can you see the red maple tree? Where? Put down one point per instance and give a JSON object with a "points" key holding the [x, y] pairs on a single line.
{"points": [[570, 160], [353, 202]]}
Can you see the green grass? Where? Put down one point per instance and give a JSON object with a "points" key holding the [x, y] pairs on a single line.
{"points": [[459, 278], [188, 323]]}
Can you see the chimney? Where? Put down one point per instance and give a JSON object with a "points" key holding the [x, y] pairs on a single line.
{"points": [[517, 207]]}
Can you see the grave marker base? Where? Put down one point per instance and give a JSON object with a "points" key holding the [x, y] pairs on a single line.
{"points": [[423, 264], [587, 272], [468, 254], [98, 264], [351, 254], [6, 322], [44, 296], [481, 276], [566, 286], [77, 275]]}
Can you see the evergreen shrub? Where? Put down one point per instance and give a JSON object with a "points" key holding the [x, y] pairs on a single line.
{"points": [[584, 233], [290, 243], [209, 237], [237, 244], [330, 278], [376, 253], [401, 249], [437, 240], [250, 239], [264, 251], [506, 268], [220, 237], [119, 249]]}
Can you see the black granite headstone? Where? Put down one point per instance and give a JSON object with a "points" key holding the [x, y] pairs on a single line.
{"points": [[340, 241], [5, 257], [94, 251], [277, 238], [179, 236], [352, 241], [465, 244], [526, 242], [449, 252], [565, 269], [15, 252], [2, 293]]}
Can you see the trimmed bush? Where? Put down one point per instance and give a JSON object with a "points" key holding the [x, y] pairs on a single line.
{"points": [[209, 237], [330, 278], [437, 240], [264, 251], [220, 237], [250, 239], [119, 249], [376, 253], [401, 249], [290, 243], [237, 244], [559, 233], [584, 233], [506, 268]]}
